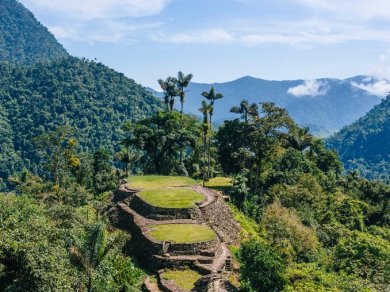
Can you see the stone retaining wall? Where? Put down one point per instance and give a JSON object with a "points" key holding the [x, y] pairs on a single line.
{"points": [[149, 246], [158, 213], [218, 215]]}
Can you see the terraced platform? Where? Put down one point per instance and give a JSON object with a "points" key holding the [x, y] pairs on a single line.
{"points": [[178, 228]]}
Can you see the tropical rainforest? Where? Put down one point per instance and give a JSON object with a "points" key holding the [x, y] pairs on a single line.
{"points": [[365, 144], [71, 129]]}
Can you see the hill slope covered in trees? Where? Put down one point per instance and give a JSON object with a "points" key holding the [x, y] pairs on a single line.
{"points": [[23, 40], [89, 97], [365, 144]]}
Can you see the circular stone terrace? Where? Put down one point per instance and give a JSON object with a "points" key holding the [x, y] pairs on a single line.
{"points": [[181, 233], [173, 240]]}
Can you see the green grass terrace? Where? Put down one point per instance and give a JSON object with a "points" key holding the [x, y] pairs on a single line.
{"points": [[185, 279], [172, 198], [181, 233], [149, 182]]}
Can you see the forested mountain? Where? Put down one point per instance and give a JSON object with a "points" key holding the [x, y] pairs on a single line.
{"points": [[89, 97], [23, 40], [324, 105], [365, 144]]}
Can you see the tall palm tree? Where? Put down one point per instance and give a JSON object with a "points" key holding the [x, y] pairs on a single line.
{"points": [[169, 86], [246, 110], [212, 96], [182, 82], [205, 110], [91, 253], [127, 156]]}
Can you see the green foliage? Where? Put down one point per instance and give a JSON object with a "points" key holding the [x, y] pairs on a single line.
{"points": [[23, 40], [261, 268], [285, 231], [167, 140], [312, 278], [33, 253], [364, 255], [104, 178], [88, 97], [364, 144], [10, 160]]}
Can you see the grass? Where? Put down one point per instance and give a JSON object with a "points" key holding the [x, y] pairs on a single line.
{"points": [[148, 182], [172, 198], [249, 227], [182, 233], [219, 183], [185, 279]]}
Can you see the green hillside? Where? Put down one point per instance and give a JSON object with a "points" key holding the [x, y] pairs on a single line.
{"points": [[89, 97], [23, 40], [365, 144]]}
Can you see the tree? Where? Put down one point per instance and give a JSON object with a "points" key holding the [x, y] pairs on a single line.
{"points": [[128, 156], [58, 149], [212, 96], [94, 249], [300, 138], [169, 86], [261, 268], [205, 110], [246, 110], [103, 176], [182, 82], [162, 139]]}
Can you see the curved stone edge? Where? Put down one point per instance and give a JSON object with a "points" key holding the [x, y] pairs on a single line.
{"points": [[138, 227], [150, 211], [217, 214]]}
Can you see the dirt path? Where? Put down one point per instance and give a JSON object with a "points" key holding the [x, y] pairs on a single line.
{"points": [[209, 195]]}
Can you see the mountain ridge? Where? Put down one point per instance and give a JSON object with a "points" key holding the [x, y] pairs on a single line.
{"points": [[365, 144], [325, 104], [23, 39]]}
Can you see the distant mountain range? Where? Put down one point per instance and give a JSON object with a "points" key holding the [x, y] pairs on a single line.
{"points": [[365, 145], [324, 105]]}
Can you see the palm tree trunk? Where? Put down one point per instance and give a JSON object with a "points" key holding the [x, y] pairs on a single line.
{"points": [[209, 146], [204, 156]]}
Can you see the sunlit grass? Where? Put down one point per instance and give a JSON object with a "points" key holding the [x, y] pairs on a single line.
{"points": [[182, 233], [185, 279], [172, 197], [219, 183], [157, 182]]}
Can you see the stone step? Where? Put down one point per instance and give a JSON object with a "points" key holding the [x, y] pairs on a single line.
{"points": [[208, 253], [208, 260], [205, 268]]}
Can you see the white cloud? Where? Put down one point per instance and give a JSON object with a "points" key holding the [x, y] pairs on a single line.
{"points": [[209, 36], [100, 9], [352, 9], [105, 31], [309, 88], [380, 88]]}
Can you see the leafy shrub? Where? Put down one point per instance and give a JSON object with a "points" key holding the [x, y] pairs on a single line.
{"points": [[287, 234], [261, 268], [364, 255]]}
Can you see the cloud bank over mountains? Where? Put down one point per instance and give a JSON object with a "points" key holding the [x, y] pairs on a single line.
{"points": [[309, 88]]}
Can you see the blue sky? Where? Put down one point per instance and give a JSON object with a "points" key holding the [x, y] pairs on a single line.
{"points": [[221, 40]]}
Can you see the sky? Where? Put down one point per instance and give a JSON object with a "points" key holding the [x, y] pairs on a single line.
{"points": [[222, 40]]}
